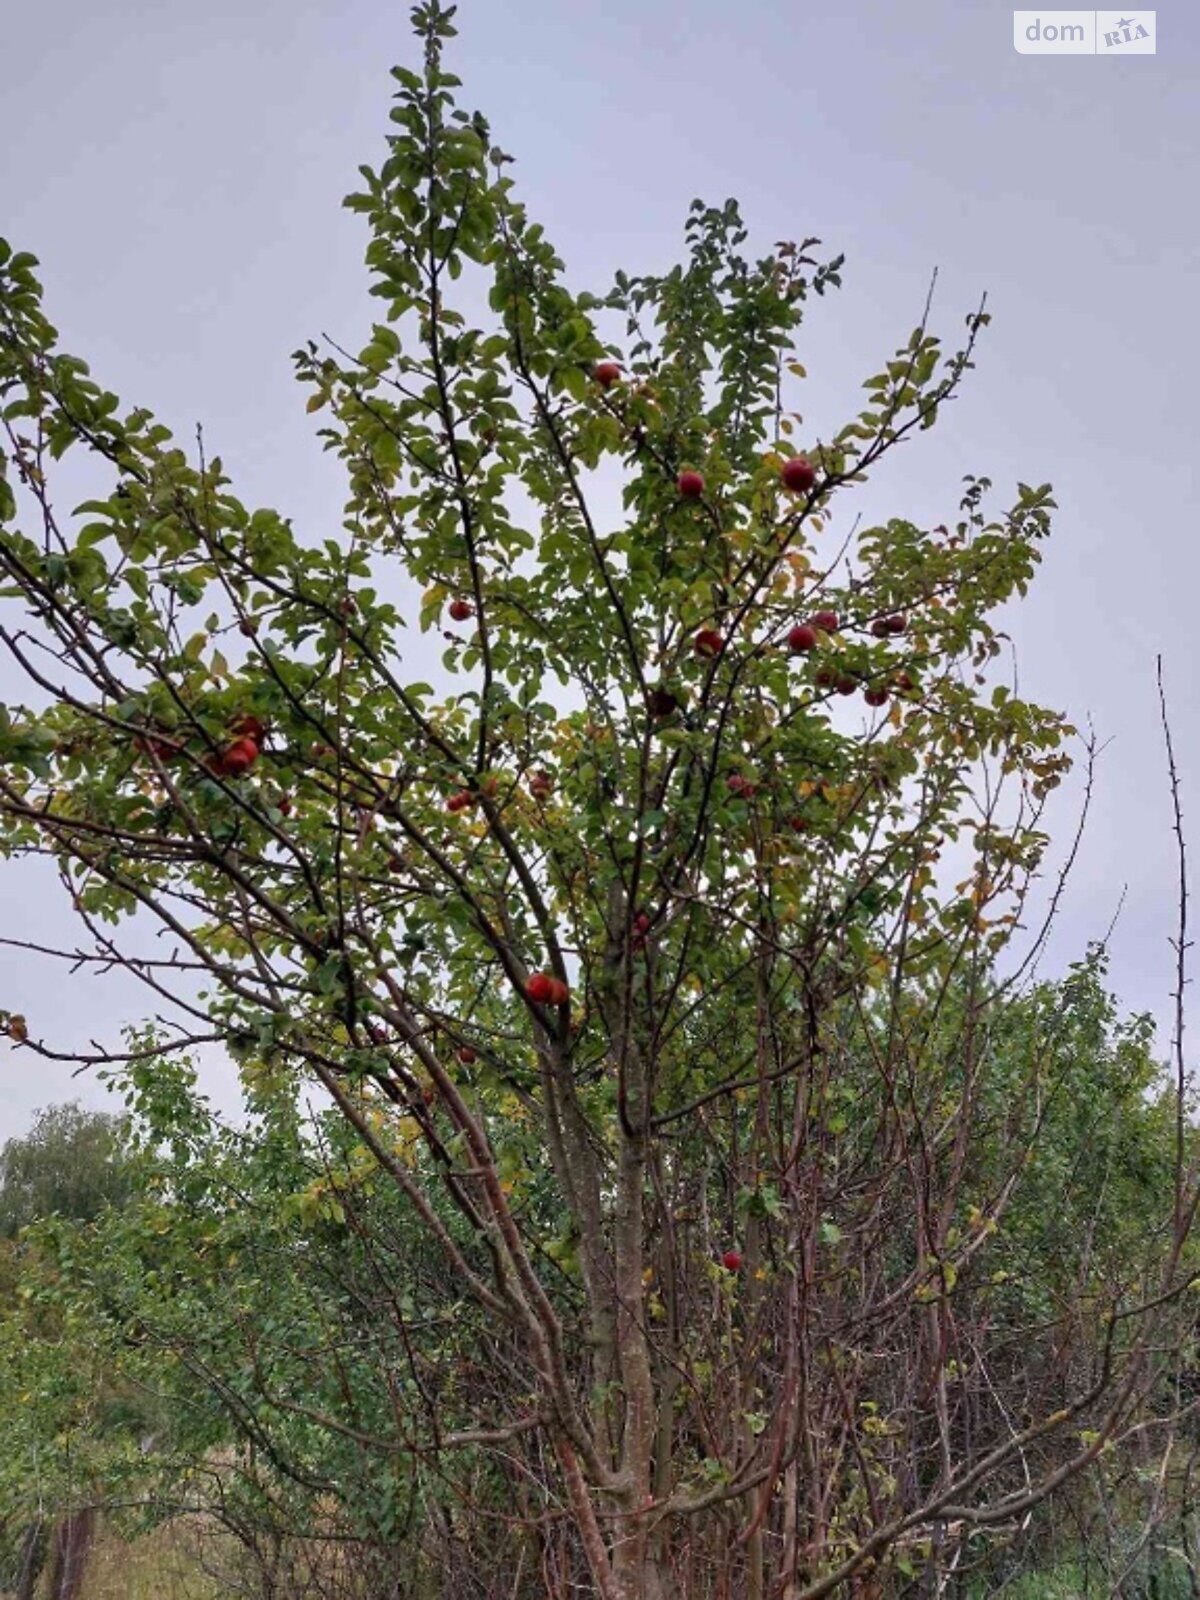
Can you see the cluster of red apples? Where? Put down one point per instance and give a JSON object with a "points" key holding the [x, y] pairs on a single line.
{"points": [[236, 759], [541, 787], [799, 475], [805, 636], [545, 990], [232, 761]]}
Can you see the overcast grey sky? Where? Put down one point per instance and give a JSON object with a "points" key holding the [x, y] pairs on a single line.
{"points": [[179, 171]]}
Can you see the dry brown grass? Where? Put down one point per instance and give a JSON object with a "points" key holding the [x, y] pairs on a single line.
{"points": [[159, 1566]]}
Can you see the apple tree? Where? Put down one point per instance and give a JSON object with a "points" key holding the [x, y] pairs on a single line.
{"points": [[621, 837]]}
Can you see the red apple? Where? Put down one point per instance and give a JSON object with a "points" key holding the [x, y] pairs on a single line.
{"points": [[690, 485], [896, 624], [641, 923], [461, 610], [606, 373], [663, 702], [903, 684], [250, 727], [801, 639], [732, 1261], [541, 786], [239, 757], [880, 628], [798, 824], [827, 621], [798, 475], [708, 642], [743, 787], [460, 800], [540, 988], [846, 684], [875, 697], [559, 993], [466, 1055]]}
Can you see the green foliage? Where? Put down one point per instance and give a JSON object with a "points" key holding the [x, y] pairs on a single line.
{"points": [[269, 1290], [72, 1163]]}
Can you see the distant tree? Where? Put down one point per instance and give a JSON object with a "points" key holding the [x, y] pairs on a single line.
{"points": [[71, 1163]]}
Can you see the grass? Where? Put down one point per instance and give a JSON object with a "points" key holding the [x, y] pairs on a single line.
{"points": [[1068, 1581], [163, 1566], [158, 1566]]}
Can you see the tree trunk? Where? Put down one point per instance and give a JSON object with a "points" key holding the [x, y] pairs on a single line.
{"points": [[72, 1544], [33, 1557]]}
